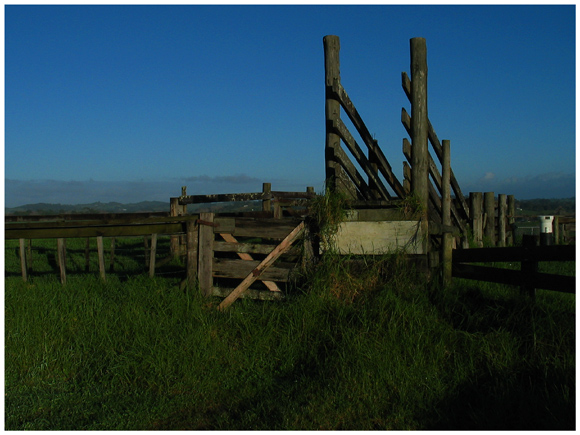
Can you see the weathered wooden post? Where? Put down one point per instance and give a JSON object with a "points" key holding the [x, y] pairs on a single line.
{"points": [[529, 266], [511, 211], [112, 260], [205, 253], [406, 178], [476, 216], [501, 219], [153, 255], [419, 132], [23, 266], [447, 237], [176, 209], [336, 178], [489, 211], [556, 230], [101, 254], [267, 203], [192, 242], [61, 254]]}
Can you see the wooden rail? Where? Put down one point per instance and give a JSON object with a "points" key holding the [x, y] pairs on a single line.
{"points": [[62, 227], [209, 240], [527, 278], [341, 172]]}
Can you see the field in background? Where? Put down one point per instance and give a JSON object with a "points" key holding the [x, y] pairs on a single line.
{"points": [[357, 347]]}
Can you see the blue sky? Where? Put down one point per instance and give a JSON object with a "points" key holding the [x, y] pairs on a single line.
{"points": [[129, 103]]}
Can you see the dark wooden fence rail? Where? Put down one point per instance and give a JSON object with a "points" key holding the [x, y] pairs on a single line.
{"points": [[527, 278]]}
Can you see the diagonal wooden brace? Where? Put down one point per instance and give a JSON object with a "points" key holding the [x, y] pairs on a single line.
{"points": [[267, 262], [231, 239]]}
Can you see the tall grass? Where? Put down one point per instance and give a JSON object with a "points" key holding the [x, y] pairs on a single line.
{"points": [[364, 344]]}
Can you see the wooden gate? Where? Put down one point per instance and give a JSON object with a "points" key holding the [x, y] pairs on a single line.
{"points": [[234, 256]]}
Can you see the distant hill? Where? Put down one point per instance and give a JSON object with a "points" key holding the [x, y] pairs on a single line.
{"points": [[95, 207], [116, 207], [542, 206]]}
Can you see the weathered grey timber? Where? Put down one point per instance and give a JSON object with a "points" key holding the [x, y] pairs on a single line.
{"points": [[489, 213], [335, 177], [419, 135]]}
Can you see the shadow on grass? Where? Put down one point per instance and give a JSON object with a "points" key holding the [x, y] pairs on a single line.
{"points": [[535, 390], [525, 400]]}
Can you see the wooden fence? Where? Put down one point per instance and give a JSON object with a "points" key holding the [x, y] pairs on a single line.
{"points": [[428, 179], [62, 227], [233, 256], [528, 255], [341, 173], [219, 249]]}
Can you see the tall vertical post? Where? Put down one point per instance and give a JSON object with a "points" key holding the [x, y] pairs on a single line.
{"points": [[511, 211], [489, 210], [336, 178], [501, 219], [476, 217], [419, 131], [446, 212]]}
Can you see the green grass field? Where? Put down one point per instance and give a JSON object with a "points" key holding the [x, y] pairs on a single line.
{"points": [[355, 348]]}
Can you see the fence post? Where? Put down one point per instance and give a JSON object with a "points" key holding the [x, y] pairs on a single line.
{"points": [[205, 254], [101, 254], [419, 131], [336, 178], [511, 211], [192, 242], [476, 215], [23, 265], [153, 255], [176, 209], [501, 219], [267, 203], [556, 230], [446, 213], [529, 267], [61, 254], [489, 211]]}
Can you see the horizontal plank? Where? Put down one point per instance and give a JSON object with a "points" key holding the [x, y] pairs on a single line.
{"points": [[248, 248], [240, 269], [72, 223], [94, 231], [249, 294], [291, 195], [268, 228], [233, 197], [546, 281], [83, 217], [516, 253]]}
